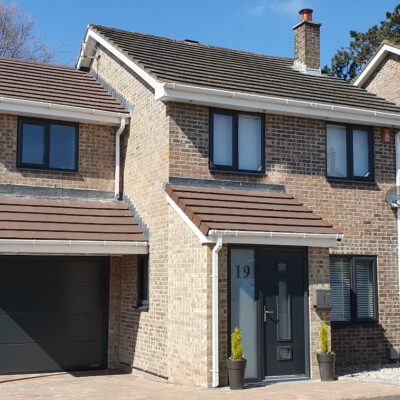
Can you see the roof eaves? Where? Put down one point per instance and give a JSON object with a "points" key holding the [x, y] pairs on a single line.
{"points": [[374, 62]]}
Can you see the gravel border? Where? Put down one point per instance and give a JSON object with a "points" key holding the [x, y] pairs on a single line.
{"points": [[377, 373]]}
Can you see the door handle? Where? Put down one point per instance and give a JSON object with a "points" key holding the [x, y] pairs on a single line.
{"points": [[268, 315]]}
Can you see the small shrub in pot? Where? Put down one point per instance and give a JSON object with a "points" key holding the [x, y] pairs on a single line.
{"points": [[326, 358], [236, 362]]}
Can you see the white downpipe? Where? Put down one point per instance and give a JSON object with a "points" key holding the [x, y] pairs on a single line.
{"points": [[397, 141], [215, 314], [118, 156]]}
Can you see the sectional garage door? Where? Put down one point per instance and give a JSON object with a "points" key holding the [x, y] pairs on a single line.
{"points": [[53, 313]]}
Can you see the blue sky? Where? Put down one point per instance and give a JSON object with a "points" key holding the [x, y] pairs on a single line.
{"points": [[263, 26]]}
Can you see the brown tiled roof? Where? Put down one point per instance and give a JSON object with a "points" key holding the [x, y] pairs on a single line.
{"points": [[245, 210], [170, 60], [38, 218], [54, 84]]}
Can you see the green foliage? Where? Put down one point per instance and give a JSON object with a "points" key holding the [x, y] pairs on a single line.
{"points": [[236, 344], [349, 61], [323, 337]]}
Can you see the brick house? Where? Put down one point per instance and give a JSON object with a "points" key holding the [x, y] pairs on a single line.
{"points": [[258, 183]]}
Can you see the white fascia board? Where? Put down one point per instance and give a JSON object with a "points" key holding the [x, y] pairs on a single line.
{"points": [[374, 63], [276, 238], [58, 111], [88, 49], [85, 247], [260, 103], [188, 222]]}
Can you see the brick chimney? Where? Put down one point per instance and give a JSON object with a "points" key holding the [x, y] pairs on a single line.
{"points": [[307, 43]]}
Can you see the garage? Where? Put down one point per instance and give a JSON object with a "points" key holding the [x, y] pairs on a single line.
{"points": [[53, 313]]}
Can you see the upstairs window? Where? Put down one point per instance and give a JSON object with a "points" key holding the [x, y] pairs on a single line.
{"points": [[349, 153], [47, 144], [237, 141], [354, 289]]}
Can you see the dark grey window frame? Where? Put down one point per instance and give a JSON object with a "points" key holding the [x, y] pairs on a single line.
{"points": [[349, 156], [143, 283], [46, 123], [353, 291], [235, 142]]}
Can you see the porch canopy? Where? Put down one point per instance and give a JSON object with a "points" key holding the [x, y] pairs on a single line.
{"points": [[68, 226], [249, 216]]}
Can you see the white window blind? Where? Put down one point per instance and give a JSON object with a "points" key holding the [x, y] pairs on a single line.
{"points": [[361, 153], [223, 139], [365, 288], [249, 142], [341, 289], [336, 146]]}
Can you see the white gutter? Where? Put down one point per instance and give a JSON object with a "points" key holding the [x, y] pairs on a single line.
{"points": [[59, 111], [276, 238], [118, 156], [260, 103], [215, 313], [397, 142], [39, 246], [374, 62]]}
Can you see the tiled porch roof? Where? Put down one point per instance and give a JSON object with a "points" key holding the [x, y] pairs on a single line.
{"points": [[214, 208], [59, 219]]}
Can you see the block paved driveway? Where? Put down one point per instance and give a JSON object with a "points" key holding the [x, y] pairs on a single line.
{"points": [[113, 386]]}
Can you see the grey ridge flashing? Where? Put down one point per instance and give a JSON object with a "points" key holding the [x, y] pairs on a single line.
{"points": [[51, 192], [291, 93]]}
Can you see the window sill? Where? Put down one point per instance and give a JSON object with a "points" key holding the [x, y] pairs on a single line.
{"points": [[142, 308], [351, 181], [346, 324], [32, 169], [227, 171]]}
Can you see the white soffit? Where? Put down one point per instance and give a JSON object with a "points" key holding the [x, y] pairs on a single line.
{"points": [[85, 247], [374, 63]]}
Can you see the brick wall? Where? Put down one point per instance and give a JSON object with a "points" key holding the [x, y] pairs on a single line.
{"points": [[96, 159], [144, 157], [385, 81], [295, 157], [307, 44]]}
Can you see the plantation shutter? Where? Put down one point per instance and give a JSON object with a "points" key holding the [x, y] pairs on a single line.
{"points": [[365, 288], [341, 289]]}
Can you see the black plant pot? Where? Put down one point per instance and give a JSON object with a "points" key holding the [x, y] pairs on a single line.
{"points": [[236, 373], [326, 362]]}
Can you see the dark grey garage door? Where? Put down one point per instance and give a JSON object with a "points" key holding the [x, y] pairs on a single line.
{"points": [[53, 313]]}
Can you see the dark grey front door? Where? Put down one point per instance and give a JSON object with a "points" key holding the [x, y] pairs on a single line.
{"points": [[53, 313], [284, 298]]}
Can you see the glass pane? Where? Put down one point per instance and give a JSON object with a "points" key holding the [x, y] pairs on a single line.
{"points": [[244, 305], [336, 145], [144, 282], [62, 146], [365, 288], [250, 143], [222, 139], [32, 144], [340, 287], [284, 312], [361, 153]]}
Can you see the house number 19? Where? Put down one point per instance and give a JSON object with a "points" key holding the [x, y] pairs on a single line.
{"points": [[243, 272]]}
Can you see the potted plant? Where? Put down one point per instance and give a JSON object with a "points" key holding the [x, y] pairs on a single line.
{"points": [[236, 362], [326, 358]]}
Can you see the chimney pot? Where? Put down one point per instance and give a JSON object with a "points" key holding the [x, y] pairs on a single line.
{"points": [[306, 14]]}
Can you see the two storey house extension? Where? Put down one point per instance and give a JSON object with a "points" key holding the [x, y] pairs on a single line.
{"points": [[260, 183], [61, 226]]}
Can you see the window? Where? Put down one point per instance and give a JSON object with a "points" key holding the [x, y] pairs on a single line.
{"points": [[349, 153], [143, 289], [237, 141], [47, 144], [354, 289]]}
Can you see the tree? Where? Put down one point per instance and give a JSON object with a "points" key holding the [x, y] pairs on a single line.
{"points": [[18, 38], [348, 62]]}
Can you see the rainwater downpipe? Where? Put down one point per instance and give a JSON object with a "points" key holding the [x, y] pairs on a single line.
{"points": [[118, 156], [215, 314], [397, 141]]}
